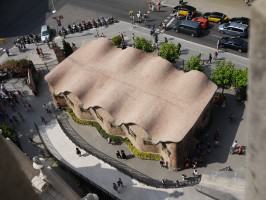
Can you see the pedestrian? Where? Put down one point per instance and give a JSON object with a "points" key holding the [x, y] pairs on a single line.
{"points": [[123, 154], [133, 37], [43, 119], [195, 172], [115, 187], [41, 52], [152, 7], [78, 152], [161, 163], [38, 51], [159, 5], [165, 40], [120, 183], [215, 55], [118, 155], [122, 37], [210, 58], [247, 2], [7, 52], [74, 47], [155, 38], [181, 2]]}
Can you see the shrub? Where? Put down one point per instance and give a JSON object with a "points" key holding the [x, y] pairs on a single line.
{"points": [[116, 139], [194, 63], [8, 132], [169, 51], [143, 44], [240, 82], [19, 68], [117, 40]]}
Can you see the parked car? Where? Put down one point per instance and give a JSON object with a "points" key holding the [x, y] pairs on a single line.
{"points": [[234, 43], [216, 17], [234, 29], [45, 33], [185, 10], [203, 22], [240, 20], [188, 27]]}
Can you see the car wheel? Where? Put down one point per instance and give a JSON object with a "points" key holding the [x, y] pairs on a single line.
{"points": [[240, 50]]}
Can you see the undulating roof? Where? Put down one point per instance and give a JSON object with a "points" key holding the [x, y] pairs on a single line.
{"points": [[134, 86]]}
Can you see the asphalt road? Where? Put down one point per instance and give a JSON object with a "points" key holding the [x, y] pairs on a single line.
{"points": [[19, 19]]}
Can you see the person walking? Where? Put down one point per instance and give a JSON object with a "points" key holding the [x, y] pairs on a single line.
{"points": [[123, 155], [7, 52], [218, 45], [38, 52], [210, 58], [118, 155], [41, 52], [43, 119], [115, 187], [120, 183], [215, 55], [78, 152]]}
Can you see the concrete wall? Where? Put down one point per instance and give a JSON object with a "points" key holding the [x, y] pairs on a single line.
{"points": [[256, 107]]}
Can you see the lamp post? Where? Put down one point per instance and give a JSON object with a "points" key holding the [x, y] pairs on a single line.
{"points": [[54, 10]]}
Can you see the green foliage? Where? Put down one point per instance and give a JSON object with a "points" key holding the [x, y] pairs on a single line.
{"points": [[170, 51], [194, 63], [240, 78], [143, 44], [8, 132], [116, 139], [223, 74], [240, 82], [117, 40], [67, 48], [140, 154]]}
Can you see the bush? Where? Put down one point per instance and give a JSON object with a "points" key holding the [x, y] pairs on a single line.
{"points": [[115, 139], [170, 51], [8, 132], [117, 40], [194, 63], [240, 82], [143, 44], [18, 68]]}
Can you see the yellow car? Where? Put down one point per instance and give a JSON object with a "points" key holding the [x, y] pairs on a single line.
{"points": [[184, 10], [216, 17]]}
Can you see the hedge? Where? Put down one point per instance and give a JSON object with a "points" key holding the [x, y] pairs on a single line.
{"points": [[8, 132], [116, 139]]}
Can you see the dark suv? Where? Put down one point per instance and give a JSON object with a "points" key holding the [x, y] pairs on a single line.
{"points": [[188, 27]]}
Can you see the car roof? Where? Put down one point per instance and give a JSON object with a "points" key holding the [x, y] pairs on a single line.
{"points": [[238, 25], [44, 28], [190, 23]]}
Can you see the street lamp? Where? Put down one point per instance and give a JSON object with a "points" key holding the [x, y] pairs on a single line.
{"points": [[54, 10]]}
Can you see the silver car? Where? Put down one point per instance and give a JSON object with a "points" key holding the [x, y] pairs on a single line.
{"points": [[234, 29]]}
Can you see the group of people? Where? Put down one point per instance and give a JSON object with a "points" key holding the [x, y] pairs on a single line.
{"points": [[118, 185], [121, 154]]}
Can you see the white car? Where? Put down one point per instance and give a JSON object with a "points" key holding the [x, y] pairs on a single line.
{"points": [[45, 33]]}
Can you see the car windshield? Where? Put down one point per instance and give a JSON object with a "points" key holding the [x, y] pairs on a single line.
{"points": [[44, 33]]}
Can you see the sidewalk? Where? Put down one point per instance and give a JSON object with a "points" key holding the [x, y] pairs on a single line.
{"points": [[232, 8], [105, 175]]}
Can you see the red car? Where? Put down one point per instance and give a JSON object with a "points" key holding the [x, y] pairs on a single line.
{"points": [[203, 22]]}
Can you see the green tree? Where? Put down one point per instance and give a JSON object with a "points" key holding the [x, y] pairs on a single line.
{"points": [[117, 40], [67, 48], [194, 63], [223, 74], [169, 51], [143, 44], [240, 82]]}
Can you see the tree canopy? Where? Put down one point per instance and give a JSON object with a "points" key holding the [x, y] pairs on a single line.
{"points": [[240, 78], [169, 51], [194, 63], [117, 40], [223, 74]]}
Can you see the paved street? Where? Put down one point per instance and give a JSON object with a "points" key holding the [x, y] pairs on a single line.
{"points": [[74, 11]]}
